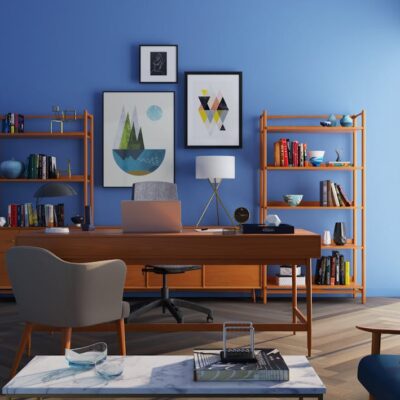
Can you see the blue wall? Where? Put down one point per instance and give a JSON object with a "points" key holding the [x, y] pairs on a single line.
{"points": [[307, 56]]}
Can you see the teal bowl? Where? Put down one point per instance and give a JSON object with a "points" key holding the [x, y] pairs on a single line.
{"points": [[293, 200]]}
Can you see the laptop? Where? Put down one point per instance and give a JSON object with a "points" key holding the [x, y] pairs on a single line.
{"points": [[151, 216]]}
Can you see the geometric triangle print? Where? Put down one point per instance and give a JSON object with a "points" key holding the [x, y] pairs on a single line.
{"points": [[222, 114], [210, 114], [204, 101], [222, 128], [222, 105]]}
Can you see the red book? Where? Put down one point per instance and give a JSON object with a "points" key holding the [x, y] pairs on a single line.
{"points": [[296, 154], [14, 215], [285, 153], [333, 270]]}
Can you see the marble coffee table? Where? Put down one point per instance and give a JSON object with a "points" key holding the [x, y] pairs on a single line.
{"points": [[151, 376]]}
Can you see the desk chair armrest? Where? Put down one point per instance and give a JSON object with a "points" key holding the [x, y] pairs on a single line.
{"points": [[376, 335]]}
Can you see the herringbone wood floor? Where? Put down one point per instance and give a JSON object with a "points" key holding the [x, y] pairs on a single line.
{"points": [[338, 346]]}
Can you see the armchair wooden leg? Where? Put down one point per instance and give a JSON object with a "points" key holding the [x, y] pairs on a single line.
{"points": [[67, 338], [376, 343], [24, 341], [121, 335], [29, 345]]}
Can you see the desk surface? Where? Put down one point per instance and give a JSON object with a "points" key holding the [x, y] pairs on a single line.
{"points": [[152, 375], [188, 246]]}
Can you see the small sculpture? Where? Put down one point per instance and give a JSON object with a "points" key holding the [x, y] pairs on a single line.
{"points": [[332, 119], [346, 121], [326, 123], [58, 119], [273, 220], [338, 158], [69, 169]]}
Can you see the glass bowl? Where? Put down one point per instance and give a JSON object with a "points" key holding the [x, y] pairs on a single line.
{"points": [[87, 356], [110, 368]]}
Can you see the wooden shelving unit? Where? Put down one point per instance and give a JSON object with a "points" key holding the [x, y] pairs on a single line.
{"points": [[7, 235], [357, 245]]}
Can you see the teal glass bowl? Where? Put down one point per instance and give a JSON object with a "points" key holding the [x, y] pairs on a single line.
{"points": [[293, 200], [88, 356]]}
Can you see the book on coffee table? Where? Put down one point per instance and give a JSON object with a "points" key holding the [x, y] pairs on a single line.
{"points": [[270, 366]]}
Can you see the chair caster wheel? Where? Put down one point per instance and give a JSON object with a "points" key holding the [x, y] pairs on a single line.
{"points": [[210, 318]]}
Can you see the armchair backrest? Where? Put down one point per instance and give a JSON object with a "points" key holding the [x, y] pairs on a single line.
{"points": [[51, 291]]}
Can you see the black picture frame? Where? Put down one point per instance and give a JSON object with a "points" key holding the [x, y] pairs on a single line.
{"points": [[173, 136], [238, 74], [158, 78]]}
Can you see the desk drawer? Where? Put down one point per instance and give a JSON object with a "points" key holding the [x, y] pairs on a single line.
{"points": [[233, 276], [7, 238], [135, 278], [4, 281]]}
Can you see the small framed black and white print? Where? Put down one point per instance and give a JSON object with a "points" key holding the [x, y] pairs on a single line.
{"points": [[158, 63]]}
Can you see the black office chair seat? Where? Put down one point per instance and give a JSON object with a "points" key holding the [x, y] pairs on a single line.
{"points": [[166, 302]]}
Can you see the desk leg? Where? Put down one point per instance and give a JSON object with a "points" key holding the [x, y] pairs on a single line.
{"points": [[294, 296], [309, 304]]}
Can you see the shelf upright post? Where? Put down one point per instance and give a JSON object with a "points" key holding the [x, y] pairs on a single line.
{"points": [[363, 203], [355, 202], [85, 158], [92, 166]]}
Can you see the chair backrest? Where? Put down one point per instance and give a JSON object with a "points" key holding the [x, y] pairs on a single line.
{"points": [[51, 291], [154, 191]]}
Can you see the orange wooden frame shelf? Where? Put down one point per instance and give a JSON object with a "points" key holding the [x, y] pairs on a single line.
{"points": [[357, 245]]}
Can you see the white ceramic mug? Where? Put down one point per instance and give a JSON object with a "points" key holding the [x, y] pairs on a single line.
{"points": [[327, 238]]}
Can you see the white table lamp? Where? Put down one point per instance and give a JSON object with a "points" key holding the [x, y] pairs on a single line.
{"points": [[214, 169]]}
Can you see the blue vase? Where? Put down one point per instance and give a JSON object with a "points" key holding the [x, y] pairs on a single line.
{"points": [[346, 121], [11, 169], [332, 119]]}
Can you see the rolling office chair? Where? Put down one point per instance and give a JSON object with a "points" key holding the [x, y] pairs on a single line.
{"points": [[165, 191]]}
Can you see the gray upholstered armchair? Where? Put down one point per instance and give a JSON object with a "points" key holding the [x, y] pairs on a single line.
{"points": [[60, 295]]}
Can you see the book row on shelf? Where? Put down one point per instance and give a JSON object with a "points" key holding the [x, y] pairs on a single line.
{"points": [[13, 123], [333, 195], [43, 215], [289, 153], [333, 270], [41, 166]]}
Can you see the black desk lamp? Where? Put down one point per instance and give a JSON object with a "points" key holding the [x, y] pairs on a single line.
{"points": [[55, 189]]}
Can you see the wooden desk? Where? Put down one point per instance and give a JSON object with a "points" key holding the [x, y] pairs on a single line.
{"points": [[191, 247]]}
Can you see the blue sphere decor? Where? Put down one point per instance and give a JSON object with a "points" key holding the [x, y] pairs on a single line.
{"points": [[154, 113], [11, 169]]}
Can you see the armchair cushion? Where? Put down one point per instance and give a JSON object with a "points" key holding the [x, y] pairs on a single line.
{"points": [[380, 375]]}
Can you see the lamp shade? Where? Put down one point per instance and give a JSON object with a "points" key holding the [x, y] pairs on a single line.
{"points": [[215, 167], [55, 189]]}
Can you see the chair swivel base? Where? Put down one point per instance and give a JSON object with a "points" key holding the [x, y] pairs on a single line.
{"points": [[172, 305]]}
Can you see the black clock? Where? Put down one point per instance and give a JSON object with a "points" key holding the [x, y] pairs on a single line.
{"points": [[241, 215]]}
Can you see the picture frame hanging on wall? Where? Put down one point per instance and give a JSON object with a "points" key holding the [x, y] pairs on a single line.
{"points": [[138, 137], [213, 109], [158, 63]]}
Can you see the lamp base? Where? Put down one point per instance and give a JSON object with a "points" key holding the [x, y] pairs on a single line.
{"points": [[88, 227]]}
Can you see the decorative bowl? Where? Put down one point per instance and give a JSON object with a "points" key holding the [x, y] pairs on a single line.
{"points": [[86, 356], [293, 200], [111, 368], [316, 157], [11, 169], [77, 220]]}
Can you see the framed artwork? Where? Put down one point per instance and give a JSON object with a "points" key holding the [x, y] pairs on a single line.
{"points": [[158, 63], [214, 109], [138, 137]]}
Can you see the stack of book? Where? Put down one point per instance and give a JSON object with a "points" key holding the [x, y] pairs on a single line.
{"points": [[289, 153], [41, 166], [333, 270], [13, 123], [284, 278], [270, 366], [333, 195], [25, 215]]}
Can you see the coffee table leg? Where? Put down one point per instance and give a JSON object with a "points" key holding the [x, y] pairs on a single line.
{"points": [[309, 305]]}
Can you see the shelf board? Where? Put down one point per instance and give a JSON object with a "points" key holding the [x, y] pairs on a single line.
{"points": [[74, 178], [311, 168], [306, 205], [347, 246], [312, 129], [273, 286], [36, 135]]}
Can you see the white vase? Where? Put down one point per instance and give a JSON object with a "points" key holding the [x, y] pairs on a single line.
{"points": [[327, 238]]}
